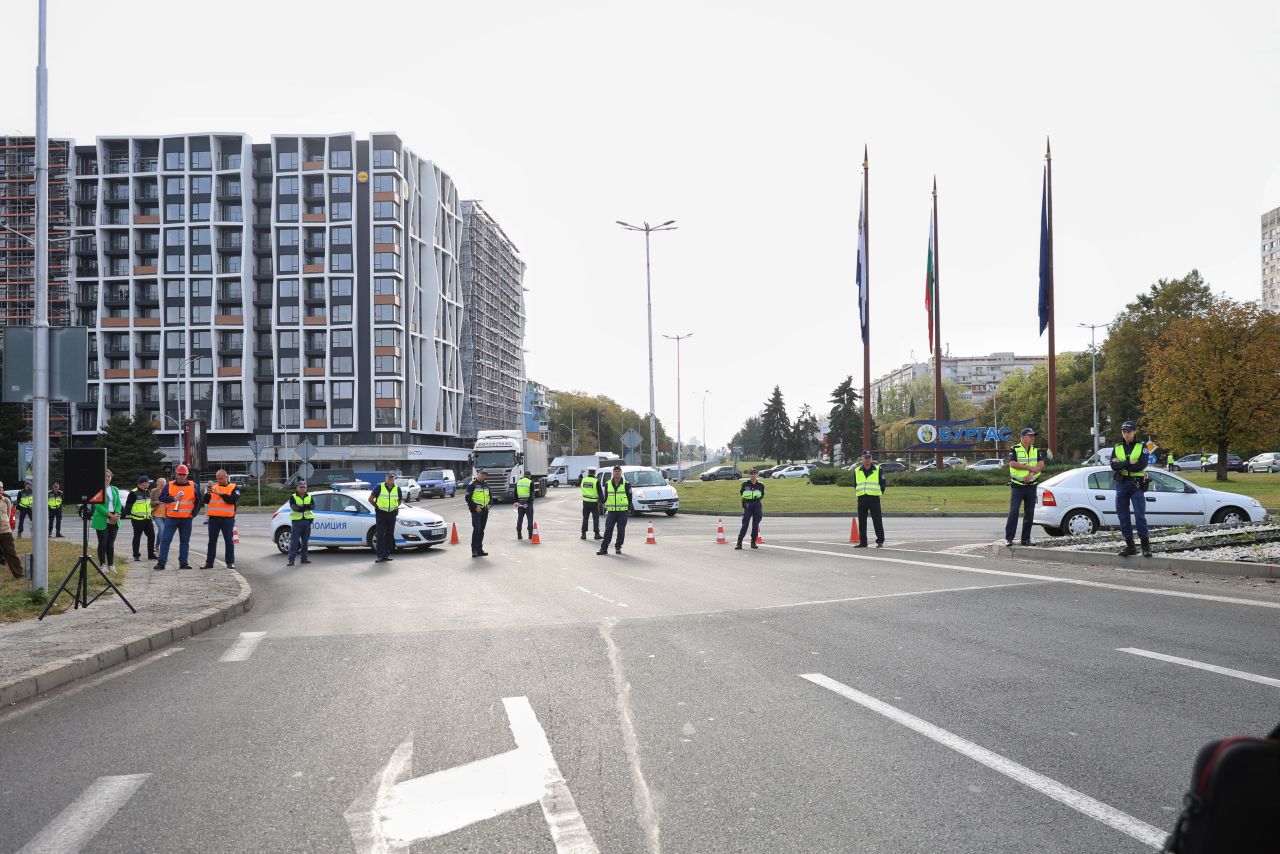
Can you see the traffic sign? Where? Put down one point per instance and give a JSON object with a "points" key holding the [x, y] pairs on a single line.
{"points": [[631, 439], [305, 449], [305, 470], [256, 468], [256, 448]]}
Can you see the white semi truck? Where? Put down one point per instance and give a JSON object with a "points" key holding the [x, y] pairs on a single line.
{"points": [[505, 456]]}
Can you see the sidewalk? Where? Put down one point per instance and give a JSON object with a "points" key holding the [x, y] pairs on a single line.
{"points": [[39, 655]]}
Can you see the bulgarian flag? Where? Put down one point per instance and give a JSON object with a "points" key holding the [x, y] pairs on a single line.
{"points": [[931, 272]]}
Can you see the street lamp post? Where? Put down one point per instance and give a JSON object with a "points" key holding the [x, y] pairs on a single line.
{"points": [[284, 424], [669, 225], [705, 392], [679, 435], [1093, 350]]}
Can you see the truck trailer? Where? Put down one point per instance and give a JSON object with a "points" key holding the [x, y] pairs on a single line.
{"points": [[505, 456]]}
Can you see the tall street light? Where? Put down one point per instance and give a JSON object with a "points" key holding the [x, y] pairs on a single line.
{"points": [[669, 225], [284, 420], [705, 392], [679, 437], [1093, 349]]}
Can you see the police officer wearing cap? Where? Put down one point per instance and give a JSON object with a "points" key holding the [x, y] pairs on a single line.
{"points": [[752, 494], [1129, 476], [56, 498], [1025, 465], [869, 485], [301, 515], [26, 500], [590, 502], [137, 507], [478, 501]]}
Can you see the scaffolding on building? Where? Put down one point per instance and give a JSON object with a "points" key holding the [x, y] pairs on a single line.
{"points": [[493, 323], [17, 246]]}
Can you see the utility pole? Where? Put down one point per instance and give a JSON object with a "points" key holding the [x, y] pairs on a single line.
{"points": [[1093, 350], [40, 396], [669, 225], [679, 435]]}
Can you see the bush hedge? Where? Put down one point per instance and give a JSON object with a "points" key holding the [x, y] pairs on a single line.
{"points": [[947, 477]]}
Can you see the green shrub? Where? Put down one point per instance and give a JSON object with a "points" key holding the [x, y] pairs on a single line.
{"points": [[845, 478], [824, 476]]}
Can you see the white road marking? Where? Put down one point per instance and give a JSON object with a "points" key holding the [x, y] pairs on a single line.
{"points": [[603, 598], [1060, 792], [1200, 665], [635, 577], [641, 797], [244, 647], [1177, 594], [392, 813], [76, 825], [34, 705]]}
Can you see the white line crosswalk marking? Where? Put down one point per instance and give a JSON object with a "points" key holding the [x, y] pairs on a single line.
{"points": [[76, 825], [244, 647], [1200, 665]]}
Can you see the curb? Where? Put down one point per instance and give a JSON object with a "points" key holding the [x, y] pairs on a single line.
{"points": [[852, 512], [1158, 562], [62, 671]]}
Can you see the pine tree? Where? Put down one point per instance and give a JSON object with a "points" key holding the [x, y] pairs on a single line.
{"points": [[776, 429], [804, 441], [132, 448], [846, 420]]}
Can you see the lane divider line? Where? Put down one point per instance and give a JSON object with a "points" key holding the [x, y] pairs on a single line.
{"points": [[1200, 665], [1060, 792], [244, 647], [1177, 594], [76, 825]]}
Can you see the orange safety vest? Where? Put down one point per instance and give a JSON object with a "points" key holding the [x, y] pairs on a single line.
{"points": [[185, 506], [158, 510], [219, 506]]}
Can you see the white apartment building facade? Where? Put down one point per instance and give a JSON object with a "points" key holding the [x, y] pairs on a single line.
{"points": [[1271, 260], [979, 376]]}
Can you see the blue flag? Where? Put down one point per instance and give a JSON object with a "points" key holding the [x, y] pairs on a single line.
{"points": [[1046, 251], [863, 287]]}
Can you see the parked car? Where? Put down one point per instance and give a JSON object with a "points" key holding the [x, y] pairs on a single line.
{"points": [[1082, 501], [890, 466], [1191, 462], [954, 462], [932, 466], [437, 483], [346, 519], [791, 471], [768, 472], [1234, 463], [1269, 461], [412, 491], [721, 473], [650, 491], [991, 464]]}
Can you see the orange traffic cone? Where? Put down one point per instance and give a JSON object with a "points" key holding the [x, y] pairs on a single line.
{"points": [[235, 535], [453, 538], [650, 539], [535, 539], [720, 540], [854, 537], [760, 534]]}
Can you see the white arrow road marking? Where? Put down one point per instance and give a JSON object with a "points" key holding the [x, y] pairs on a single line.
{"points": [[243, 648], [391, 813], [85, 816], [1200, 665], [1079, 801]]}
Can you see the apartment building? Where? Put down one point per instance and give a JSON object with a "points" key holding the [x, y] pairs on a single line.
{"points": [[1271, 260], [979, 376], [306, 287]]}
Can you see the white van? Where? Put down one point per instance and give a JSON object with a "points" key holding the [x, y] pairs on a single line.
{"points": [[1101, 458]]}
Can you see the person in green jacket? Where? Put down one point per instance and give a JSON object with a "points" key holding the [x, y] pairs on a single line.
{"points": [[106, 523]]}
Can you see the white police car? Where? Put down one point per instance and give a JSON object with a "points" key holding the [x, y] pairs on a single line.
{"points": [[346, 519]]}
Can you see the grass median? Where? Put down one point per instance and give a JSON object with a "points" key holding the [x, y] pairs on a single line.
{"points": [[19, 602], [797, 495]]}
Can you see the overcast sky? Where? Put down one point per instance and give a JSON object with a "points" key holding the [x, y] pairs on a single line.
{"points": [[745, 122]]}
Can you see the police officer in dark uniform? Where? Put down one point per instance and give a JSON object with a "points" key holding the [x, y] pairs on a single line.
{"points": [[869, 485], [752, 494], [56, 499], [1025, 466], [617, 507], [1129, 475], [590, 502], [478, 500], [386, 499]]}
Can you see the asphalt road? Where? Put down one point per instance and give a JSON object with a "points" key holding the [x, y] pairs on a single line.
{"points": [[681, 697]]}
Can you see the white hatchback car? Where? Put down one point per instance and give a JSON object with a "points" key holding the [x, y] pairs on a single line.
{"points": [[1081, 501], [345, 519], [650, 491], [792, 471], [412, 489], [1264, 462]]}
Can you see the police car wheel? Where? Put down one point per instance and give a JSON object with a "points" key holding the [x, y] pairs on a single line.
{"points": [[671, 512], [371, 539], [331, 548], [282, 540], [424, 548], [1230, 515], [1080, 522]]}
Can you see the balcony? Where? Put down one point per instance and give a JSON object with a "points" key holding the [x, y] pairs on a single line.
{"points": [[116, 351], [116, 166], [146, 164], [237, 371], [146, 373], [114, 322], [145, 219], [231, 243], [147, 296], [313, 165], [228, 320], [313, 217], [315, 423], [313, 372], [228, 161], [149, 243], [116, 247], [315, 320], [115, 374], [144, 270], [313, 269]]}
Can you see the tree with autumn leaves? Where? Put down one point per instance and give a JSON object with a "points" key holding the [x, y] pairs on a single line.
{"points": [[1212, 380]]}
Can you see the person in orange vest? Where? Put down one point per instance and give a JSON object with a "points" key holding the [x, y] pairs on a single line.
{"points": [[220, 500], [182, 503]]}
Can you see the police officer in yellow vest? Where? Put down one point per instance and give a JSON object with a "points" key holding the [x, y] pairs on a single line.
{"points": [[617, 509], [26, 500], [524, 505], [752, 494], [1129, 476], [1025, 465], [300, 518], [869, 485], [137, 507], [55, 509], [386, 498], [590, 502], [478, 500]]}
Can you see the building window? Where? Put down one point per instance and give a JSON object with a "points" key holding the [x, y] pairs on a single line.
{"points": [[288, 237], [386, 234], [384, 183], [386, 261], [340, 313], [342, 365], [288, 213], [200, 236], [289, 368], [340, 160], [384, 286], [231, 264], [386, 338], [173, 340], [384, 158], [386, 210], [340, 339], [174, 212], [287, 187], [173, 186], [287, 287], [201, 185], [174, 263], [288, 263], [174, 237], [386, 364], [201, 340], [201, 314], [287, 161], [341, 417], [202, 263], [340, 236], [340, 184], [173, 289], [201, 160], [343, 390], [385, 416], [173, 160], [340, 210], [288, 340], [386, 388], [340, 262], [384, 313], [340, 287], [287, 314], [174, 315]]}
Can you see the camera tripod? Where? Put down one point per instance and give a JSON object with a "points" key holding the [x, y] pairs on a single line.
{"points": [[80, 595]]}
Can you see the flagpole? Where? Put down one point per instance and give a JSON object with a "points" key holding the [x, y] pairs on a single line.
{"points": [[937, 328], [866, 276], [1053, 362]]}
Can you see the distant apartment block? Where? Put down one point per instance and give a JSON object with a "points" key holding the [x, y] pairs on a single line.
{"points": [[1271, 260], [306, 287], [493, 324], [979, 376]]}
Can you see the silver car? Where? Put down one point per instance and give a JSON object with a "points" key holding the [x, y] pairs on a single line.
{"points": [[1269, 462]]}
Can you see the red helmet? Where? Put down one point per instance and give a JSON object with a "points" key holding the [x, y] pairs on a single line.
{"points": [[181, 470]]}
